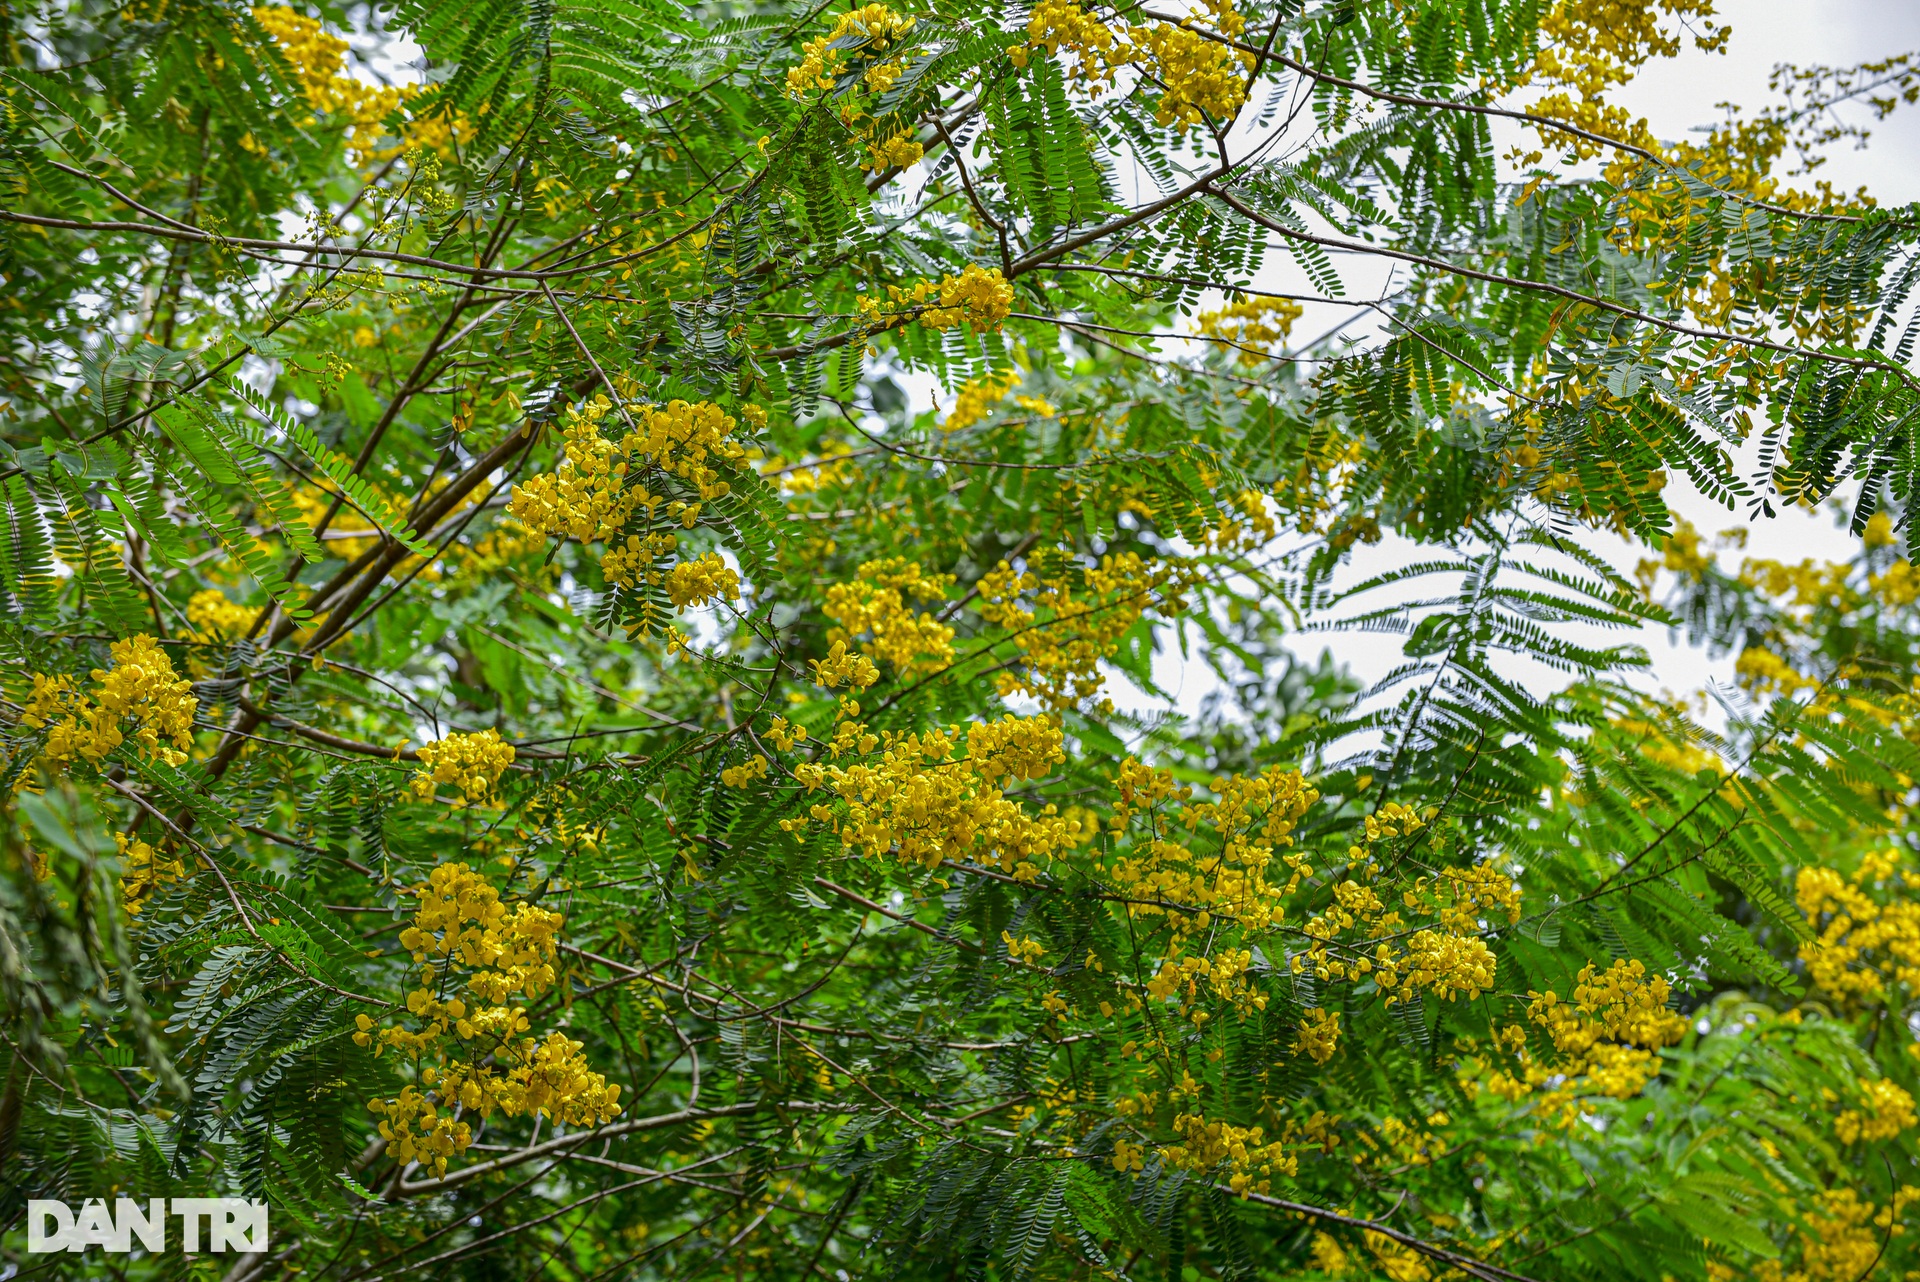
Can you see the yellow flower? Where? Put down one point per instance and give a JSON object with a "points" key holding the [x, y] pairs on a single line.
{"points": [[317, 59], [902, 151], [1319, 1035], [489, 1066], [843, 668], [142, 872], [140, 697], [1024, 952], [1066, 618], [978, 297], [866, 31], [216, 618], [1253, 326], [697, 582], [1198, 77], [472, 762], [1886, 1111], [875, 604], [912, 797], [746, 772]]}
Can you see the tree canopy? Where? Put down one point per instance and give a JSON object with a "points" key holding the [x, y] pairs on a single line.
{"points": [[580, 586]]}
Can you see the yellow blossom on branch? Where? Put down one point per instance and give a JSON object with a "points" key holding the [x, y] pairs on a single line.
{"points": [[318, 60], [1199, 77], [1244, 1152], [902, 151], [138, 697], [461, 924], [216, 618], [1065, 618], [978, 297], [1319, 1035], [1026, 952], [471, 762], [142, 872], [866, 32], [875, 604], [1254, 325], [977, 398], [754, 767], [916, 799], [696, 582], [1886, 1110], [1867, 945]]}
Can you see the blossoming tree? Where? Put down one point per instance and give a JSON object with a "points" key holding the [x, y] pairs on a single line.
{"points": [[580, 626]]}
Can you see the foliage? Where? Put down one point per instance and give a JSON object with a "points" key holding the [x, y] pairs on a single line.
{"points": [[527, 745]]}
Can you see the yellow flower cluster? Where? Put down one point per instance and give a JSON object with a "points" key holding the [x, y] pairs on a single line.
{"points": [[1450, 962], [914, 798], [784, 734], [1199, 77], [976, 399], [1203, 79], [1608, 1038], [583, 497], [317, 58], [1022, 952], [1244, 524], [461, 919], [1319, 1034], [1414, 1145], [868, 32], [1398, 1262], [1682, 552], [682, 438], [1445, 965], [755, 767], [549, 1076], [1206, 1146], [140, 697], [1466, 899], [1622, 1003], [1099, 50], [875, 605], [587, 496], [1066, 618], [1885, 1110], [417, 1131], [630, 563], [142, 872], [1840, 1237], [901, 151], [1590, 47], [472, 762], [1227, 974], [593, 494], [215, 618], [461, 922], [1863, 945], [1254, 326], [1224, 862], [979, 297], [706, 578], [843, 667]]}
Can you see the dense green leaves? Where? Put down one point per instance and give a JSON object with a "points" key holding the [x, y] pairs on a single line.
{"points": [[290, 356]]}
